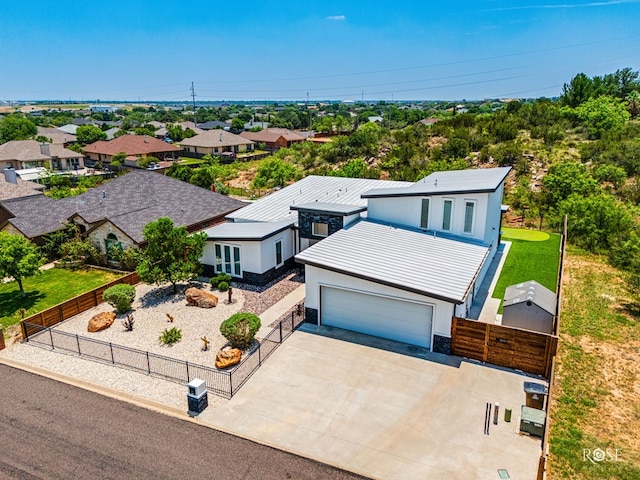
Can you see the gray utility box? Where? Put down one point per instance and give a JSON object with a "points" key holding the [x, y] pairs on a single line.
{"points": [[536, 394], [532, 421], [197, 397]]}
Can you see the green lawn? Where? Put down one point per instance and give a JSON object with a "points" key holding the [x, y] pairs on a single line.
{"points": [[48, 288], [595, 401], [534, 255]]}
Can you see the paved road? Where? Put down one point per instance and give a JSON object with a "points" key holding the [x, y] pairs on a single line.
{"points": [[51, 430]]}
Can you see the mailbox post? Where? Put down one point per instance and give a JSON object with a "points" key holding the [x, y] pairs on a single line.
{"points": [[197, 398]]}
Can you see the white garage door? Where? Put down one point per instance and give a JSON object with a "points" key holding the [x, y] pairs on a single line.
{"points": [[384, 317]]}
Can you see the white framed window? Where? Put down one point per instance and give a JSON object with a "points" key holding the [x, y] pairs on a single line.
{"points": [[447, 213], [279, 255], [469, 215], [424, 214], [228, 259], [320, 229]]}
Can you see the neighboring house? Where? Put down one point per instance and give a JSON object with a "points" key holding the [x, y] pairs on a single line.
{"points": [[429, 121], [162, 132], [13, 187], [116, 212], [375, 119], [414, 263], [57, 137], [530, 306], [252, 124], [274, 138], [216, 142], [214, 125], [103, 108], [69, 128], [135, 146], [261, 239], [111, 133], [22, 154]]}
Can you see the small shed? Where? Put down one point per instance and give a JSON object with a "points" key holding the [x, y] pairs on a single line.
{"points": [[530, 306]]}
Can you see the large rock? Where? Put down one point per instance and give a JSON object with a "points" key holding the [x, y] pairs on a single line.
{"points": [[201, 298], [101, 321], [228, 356]]}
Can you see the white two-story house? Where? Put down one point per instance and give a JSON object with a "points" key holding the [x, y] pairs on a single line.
{"points": [[415, 261]]}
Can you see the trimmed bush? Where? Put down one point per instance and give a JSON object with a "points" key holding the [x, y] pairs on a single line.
{"points": [[170, 336], [120, 297], [223, 286], [221, 277], [240, 329]]}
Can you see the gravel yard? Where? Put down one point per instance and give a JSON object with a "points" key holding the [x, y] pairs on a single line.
{"points": [[149, 310]]}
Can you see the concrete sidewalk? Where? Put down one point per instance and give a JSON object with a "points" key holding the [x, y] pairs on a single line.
{"points": [[279, 309]]}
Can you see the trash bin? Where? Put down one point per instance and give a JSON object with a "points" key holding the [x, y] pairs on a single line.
{"points": [[532, 421], [507, 415], [535, 394], [197, 398]]}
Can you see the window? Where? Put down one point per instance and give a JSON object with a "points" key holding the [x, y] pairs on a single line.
{"points": [[112, 245], [446, 215], [424, 217], [468, 216], [228, 260], [278, 253], [320, 229]]}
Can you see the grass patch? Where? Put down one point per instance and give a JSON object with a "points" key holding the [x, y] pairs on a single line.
{"points": [[47, 289], [531, 257], [594, 399]]}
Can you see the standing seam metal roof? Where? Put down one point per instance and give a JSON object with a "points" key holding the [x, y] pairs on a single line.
{"points": [[334, 190], [418, 262], [449, 182]]}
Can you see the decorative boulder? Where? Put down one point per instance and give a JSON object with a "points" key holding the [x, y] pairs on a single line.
{"points": [[200, 298], [228, 356], [101, 321]]}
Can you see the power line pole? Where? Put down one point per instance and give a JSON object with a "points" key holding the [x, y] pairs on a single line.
{"points": [[193, 96], [308, 112]]}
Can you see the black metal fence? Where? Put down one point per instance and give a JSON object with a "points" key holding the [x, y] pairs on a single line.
{"points": [[224, 383]]}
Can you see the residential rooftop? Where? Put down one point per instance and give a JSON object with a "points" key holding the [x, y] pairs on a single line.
{"points": [[311, 189], [450, 182], [422, 263]]}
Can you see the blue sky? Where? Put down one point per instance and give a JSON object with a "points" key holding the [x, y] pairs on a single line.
{"points": [[280, 50]]}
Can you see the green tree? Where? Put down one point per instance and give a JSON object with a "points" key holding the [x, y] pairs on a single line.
{"points": [[171, 255], [564, 179], [602, 114], [237, 124], [19, 258], [181, 172], [16, 127], [595, 220], [274, 172], [87, 134], [118, 159], [579, 90]]}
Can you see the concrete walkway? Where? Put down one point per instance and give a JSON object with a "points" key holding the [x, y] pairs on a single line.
{"points": [[46, 266], [279, 309], [484, 307]]}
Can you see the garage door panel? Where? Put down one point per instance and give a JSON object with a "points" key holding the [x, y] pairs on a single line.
{"points": [[384, 317]]}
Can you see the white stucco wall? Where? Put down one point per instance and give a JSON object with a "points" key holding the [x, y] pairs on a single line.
{"points": [[268, 249], [316, 277], [408, 211]]}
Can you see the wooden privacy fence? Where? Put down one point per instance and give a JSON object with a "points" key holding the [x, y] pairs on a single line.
{"points": [[531, 352], [71, 307]]}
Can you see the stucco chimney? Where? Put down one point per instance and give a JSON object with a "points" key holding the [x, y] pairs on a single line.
{"points": [[44, 149], [10, 175]]}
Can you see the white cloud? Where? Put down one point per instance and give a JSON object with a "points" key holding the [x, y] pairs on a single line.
{"points": [[566, 5], [337, 18]]}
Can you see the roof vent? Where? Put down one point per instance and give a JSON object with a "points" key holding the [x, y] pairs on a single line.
{"points": [[10, 175], [435, 184]]}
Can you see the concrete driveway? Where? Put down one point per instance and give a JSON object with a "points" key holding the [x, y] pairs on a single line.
{"points": [[382, 414]]}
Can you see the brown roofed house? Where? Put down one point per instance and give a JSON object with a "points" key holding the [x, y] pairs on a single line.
{"points": [[274, 138], [21, 154], [135, 146], [216, 142], [116, 212]]}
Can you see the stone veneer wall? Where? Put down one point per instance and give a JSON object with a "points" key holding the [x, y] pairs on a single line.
{"points": [[442, 344], [306, 219], [254, 278], [99, 235]]}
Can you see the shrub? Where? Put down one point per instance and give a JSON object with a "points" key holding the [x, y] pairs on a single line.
{"points": [[223, 286], [128, 323], [240, 329], [221, 277], [170, 336], [120, 297]]}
